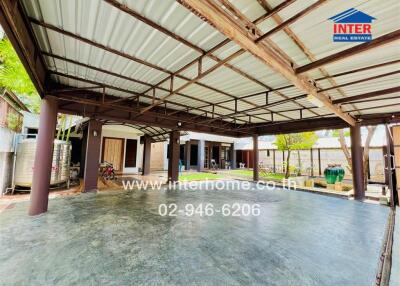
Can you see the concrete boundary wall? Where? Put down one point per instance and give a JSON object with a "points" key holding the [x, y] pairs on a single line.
{"points": [[327, 156], [6, 157]]}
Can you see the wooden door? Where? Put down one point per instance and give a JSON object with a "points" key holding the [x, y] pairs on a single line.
{"points": [[396, 144], [113, 152]]}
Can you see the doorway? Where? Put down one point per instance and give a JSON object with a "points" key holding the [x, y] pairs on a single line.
{"points": [[113, 152]]}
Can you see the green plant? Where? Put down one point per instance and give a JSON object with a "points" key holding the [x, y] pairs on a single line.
{"points": [[294, 141], [14, 121], [14, 77]]}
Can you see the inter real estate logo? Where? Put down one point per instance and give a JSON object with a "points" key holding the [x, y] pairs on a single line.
{"points": [[352, 26]]}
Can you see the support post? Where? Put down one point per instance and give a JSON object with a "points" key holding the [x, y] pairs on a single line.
{"points": [[146, 155], [319, 162], [385, 153], [357, 163], [173, 163], [43, 156], [200, 155], [233, 156], [83, 154], [274, 160], [312, 162], [92, 156], [187, 155], [255, 158]]}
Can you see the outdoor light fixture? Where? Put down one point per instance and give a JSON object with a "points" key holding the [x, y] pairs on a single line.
{"points": [[179, 124], [94, 133], [315, 100]]}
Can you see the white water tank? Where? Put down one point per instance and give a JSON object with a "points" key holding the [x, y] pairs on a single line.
{"points": [[24, 170]]}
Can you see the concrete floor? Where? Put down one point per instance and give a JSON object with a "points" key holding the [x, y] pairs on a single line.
{"points": [[119, 239]]}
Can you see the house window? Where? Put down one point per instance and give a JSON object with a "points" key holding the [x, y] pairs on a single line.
{"points": [[131, 153], [268, 153]]}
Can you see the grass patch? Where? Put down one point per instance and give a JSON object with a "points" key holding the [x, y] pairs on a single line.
{"points": [[249, 173], [198, 176]]}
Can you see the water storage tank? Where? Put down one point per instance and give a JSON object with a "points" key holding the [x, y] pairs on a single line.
{"points": [[26, 155]]}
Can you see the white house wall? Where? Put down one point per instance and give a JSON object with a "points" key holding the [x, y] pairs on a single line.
{"points": [[123, 132]]}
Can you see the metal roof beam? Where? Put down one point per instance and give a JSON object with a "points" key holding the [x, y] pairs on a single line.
{"points": [[161, 29], [291, 20], [318, 79], [228, 26], [150, 118], [114, 88], [271, 12], [311, 124], [380, 41], [368, 95], [133, 80]]}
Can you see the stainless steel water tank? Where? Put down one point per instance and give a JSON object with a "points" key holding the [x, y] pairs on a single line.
{"points": [[24, 170]]}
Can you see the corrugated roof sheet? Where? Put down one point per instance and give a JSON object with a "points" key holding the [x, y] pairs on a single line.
{"points": [[102, 23]]}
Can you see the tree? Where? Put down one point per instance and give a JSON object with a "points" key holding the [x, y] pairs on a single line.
{"points": [[345, 149], [295, 141], [14, 77]]}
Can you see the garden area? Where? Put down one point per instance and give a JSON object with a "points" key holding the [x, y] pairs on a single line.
{"points": [[198, 176]]}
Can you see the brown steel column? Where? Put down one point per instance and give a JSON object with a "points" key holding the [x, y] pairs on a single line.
{"points": [[255, 158], [92, 156], [43, 157], [357, 163], [173, 162], [146, 155]]}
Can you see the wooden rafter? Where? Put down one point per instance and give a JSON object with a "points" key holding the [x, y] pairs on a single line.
{"points": [[296, 40], [228, 26]]}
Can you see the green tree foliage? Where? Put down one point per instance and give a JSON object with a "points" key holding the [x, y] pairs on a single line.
{"points": [[14, 77], [336, 133], [294, 141]]}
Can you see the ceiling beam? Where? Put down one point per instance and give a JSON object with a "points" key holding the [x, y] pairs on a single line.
{"points": [[121, 117], [291, 20], [311, 124], [135, 81], [229, 28], [114, 101], [368, 95], [361, 80], [271, 12], [200, 76], [121, 113], [154, 25], [161, 29], [97, 45], [318, 79], [12, 19], [299, 43], [250, 27], [380, 41]]}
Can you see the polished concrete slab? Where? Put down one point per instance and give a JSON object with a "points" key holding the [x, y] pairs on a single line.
{"points": [[395, 272], [120, 239]]}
